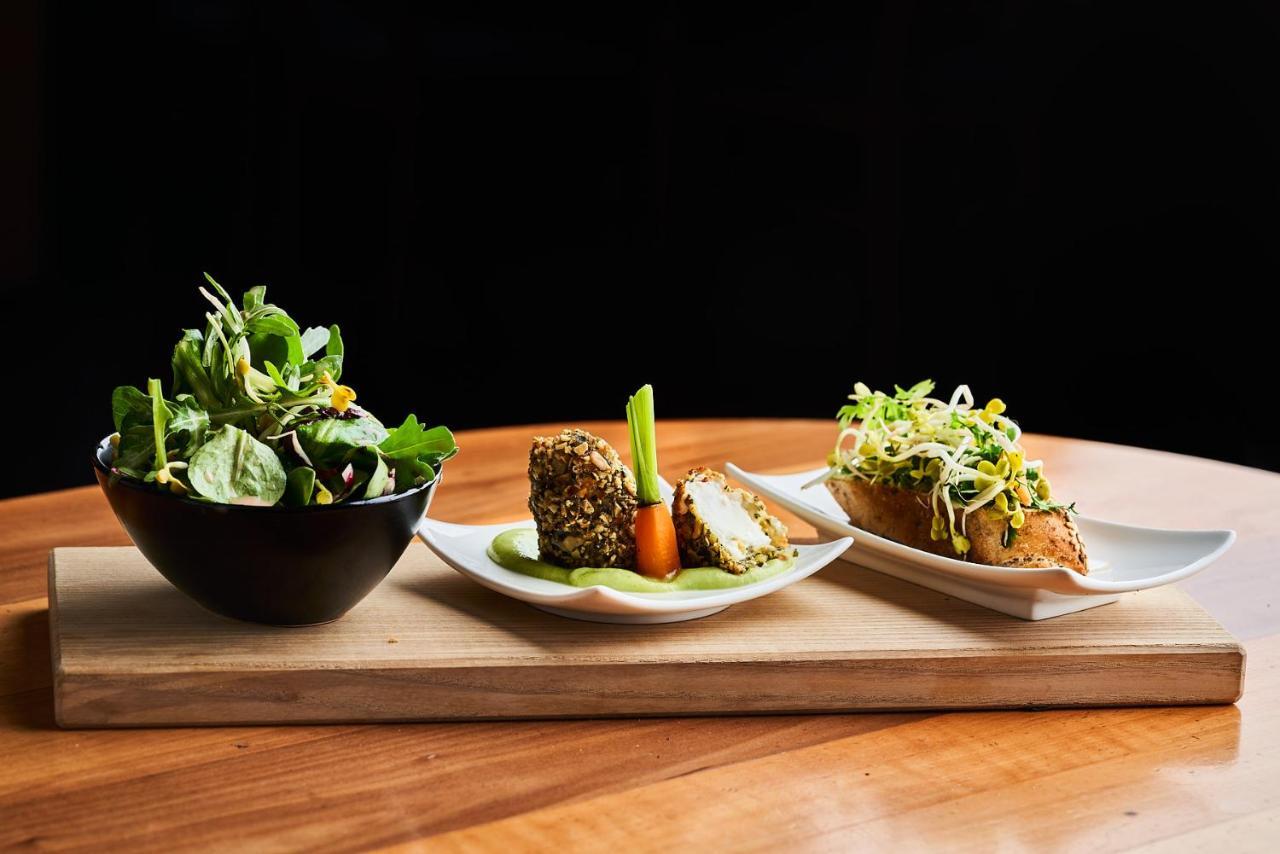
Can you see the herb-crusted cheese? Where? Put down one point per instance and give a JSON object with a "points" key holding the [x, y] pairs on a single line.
{"points": [[583, 501], [719, 525]]}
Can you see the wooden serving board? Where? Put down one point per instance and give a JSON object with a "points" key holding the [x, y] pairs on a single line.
{"points": [[130, 650]]}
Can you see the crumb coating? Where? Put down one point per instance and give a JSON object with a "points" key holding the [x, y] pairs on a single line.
{"points": [[583, 501]]}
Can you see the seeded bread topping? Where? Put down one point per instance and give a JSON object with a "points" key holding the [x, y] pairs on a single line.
{"points": [[583, 501]]}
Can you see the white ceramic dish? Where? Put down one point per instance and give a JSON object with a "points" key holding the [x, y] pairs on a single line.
{"points": [[463, 547], [1122, 558]]}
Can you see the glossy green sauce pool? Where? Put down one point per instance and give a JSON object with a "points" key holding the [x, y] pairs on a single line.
{"points": [[517, 550]]}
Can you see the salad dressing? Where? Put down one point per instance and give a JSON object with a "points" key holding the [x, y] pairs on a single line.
{"points": [[517, 550]]}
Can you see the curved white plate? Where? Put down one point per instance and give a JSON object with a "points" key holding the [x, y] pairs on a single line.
{"points": [[1122, 558], [463, 547]]}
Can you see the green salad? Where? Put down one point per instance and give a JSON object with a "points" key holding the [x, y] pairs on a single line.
{"points": [[256, 416], [964, 460]]}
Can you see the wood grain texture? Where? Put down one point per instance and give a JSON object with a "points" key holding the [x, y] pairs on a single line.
{"points": [[1084, 780], [1091, 780], [129, 650]]}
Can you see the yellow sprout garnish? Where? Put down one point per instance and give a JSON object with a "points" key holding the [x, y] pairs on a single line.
{"points": [[341, 395], [165, 476]]}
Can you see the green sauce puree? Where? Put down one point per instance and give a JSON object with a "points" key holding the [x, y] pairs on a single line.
{"points": [[517, 550]]}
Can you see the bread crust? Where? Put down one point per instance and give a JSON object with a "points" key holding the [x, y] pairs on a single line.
{"points": [[1048, 538]]}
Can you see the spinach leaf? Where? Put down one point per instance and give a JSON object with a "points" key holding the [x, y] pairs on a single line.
{"points": [[254, 297], [280, 349], [313, 340], [299, 486], [378, 478], [273, 324], [411, 473], [331, 442], [235, 468]]}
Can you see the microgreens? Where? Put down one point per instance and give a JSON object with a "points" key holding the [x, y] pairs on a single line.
{"points": [[964, 460]]}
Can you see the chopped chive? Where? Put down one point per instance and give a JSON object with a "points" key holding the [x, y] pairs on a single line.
{"points": [[644, 445]]}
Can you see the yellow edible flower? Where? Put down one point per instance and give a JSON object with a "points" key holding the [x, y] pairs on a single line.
{"points": [[341, 395]]}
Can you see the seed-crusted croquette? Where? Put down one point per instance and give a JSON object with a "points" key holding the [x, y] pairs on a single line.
{"points": [[720, 525], [583, 501]]}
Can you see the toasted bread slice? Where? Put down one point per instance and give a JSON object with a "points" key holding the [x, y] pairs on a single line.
{"points": [[1047, 538]]}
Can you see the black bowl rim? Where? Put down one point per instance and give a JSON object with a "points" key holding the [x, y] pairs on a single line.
{"points": [[251, 508]]}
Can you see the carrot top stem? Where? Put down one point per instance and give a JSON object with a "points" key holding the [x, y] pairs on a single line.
{"points": [[644, 445]]}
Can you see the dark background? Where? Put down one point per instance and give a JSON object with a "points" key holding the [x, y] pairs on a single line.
{"points": [[521, 215]]}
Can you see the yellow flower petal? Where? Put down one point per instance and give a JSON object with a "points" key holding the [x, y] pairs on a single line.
{"points": [[340, 395]]}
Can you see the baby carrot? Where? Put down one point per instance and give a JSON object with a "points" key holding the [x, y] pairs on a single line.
{"points": [[656, 553]]}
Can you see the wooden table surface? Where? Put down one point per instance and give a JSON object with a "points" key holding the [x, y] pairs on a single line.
{"points": [[1096, 780]]}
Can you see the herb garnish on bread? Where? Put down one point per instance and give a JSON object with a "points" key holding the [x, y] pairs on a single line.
{"points": [[949, 479]]}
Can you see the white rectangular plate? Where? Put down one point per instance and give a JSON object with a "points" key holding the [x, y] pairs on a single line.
{"points": [[1122, 558]]}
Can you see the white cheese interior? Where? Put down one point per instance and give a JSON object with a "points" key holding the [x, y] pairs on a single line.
{"points": [[726, 518]]}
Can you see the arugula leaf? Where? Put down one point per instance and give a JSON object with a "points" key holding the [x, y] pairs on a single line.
{"points": [[410, 441], [129, 404], [189, 370], [137, 448], [235, 468], [417, 453], [189, 421]]}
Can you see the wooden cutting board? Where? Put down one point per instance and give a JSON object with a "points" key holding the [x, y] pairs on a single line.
{"points": [[130, 650]]}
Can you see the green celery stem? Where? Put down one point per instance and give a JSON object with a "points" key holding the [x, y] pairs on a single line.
{"points": [[644, 445]]}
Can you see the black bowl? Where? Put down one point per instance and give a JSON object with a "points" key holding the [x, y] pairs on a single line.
{"points": [[277, 565]]}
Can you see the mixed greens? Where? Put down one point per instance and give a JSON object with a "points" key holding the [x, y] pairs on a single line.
{"points": [[256, 416], [965, 460]]}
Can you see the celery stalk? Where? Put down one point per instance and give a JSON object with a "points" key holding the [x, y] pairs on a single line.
{"points": [[644, 445]]}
